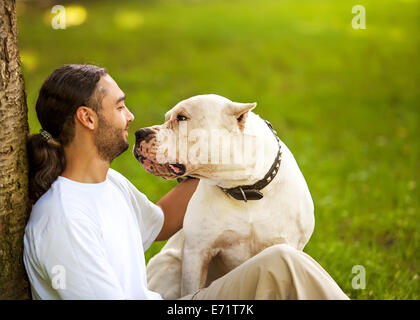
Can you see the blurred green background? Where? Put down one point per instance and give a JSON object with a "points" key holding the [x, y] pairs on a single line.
{"points": [[345, 101]]}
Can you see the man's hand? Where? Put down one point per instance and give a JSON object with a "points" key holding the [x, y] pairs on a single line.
{"points": [[174, 205]]}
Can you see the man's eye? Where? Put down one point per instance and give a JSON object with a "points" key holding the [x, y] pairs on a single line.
{"points": [[181, 118]]}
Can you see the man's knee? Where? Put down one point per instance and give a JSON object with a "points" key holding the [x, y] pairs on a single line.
{"points": [[279, 252], [279, 258]]}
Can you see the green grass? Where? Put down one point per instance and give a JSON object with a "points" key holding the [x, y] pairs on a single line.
{"points": [[345, 101]]}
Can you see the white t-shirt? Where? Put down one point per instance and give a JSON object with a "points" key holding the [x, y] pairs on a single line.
{"points": [[87, 240]]}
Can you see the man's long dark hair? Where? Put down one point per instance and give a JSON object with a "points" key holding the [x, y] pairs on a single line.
{"points": [[62, 93]]}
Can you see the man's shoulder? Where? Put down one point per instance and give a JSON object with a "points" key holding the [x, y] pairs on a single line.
{"points": [[57, 206], [117, 178], [124, 184]]}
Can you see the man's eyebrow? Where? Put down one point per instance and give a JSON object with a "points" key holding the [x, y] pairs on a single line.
{"points": [[122, 98]]}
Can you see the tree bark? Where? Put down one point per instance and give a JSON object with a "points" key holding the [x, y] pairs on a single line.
{"points": [[14, 201]]}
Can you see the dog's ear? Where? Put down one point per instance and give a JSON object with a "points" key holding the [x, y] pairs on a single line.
{"points": [[240, 111]]}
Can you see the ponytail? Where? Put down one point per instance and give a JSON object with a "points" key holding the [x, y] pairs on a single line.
{"points": [[46, 163]]}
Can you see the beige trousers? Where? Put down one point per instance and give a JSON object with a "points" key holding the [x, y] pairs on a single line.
{"points": [[278, 272]]}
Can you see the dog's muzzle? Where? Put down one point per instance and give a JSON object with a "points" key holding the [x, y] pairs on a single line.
{"points": [[141, 152]]}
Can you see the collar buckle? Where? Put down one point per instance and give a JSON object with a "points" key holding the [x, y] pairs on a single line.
{"points": [[239, 193]]}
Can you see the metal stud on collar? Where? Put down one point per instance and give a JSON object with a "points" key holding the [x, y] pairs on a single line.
{"points": [[243, 194]]}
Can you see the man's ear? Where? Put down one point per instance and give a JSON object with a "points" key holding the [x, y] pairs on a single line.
{"points": [[240, 111], [87, 117]]}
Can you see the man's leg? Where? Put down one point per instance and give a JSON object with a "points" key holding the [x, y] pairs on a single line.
{"points": [[278, 272]]}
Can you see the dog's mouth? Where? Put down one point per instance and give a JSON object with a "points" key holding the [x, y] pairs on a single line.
{"points": [[176, 169]]}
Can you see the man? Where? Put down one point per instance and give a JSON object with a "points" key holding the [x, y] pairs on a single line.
{"points": [[90, 226], [87, 223]]}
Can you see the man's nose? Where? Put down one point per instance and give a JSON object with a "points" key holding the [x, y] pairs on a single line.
{"points": [[141, 134], [130, 117]]}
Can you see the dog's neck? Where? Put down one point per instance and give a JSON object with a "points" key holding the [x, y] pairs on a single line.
{"points": [[265, 157]]}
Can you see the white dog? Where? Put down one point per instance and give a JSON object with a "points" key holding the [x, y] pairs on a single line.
{"points": [[251, 193]]}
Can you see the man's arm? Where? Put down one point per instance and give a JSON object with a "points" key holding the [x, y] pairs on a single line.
{"points": [[174, 205]]}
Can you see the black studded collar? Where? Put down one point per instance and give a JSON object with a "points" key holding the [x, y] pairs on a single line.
{"points": [[253, 192]]}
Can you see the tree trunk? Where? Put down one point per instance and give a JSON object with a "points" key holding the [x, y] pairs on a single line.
{"points": [[14, 203]]}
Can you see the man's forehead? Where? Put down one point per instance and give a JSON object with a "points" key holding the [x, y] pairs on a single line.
{"points": [[109, 84]]}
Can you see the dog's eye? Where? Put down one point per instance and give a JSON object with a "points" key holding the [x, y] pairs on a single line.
{"points": [[181, 118]]}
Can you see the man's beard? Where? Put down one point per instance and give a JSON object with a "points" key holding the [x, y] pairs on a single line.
{"points": [[109, 140]]}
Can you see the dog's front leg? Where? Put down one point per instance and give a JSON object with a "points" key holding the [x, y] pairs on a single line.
{"points": [[195, 268]]}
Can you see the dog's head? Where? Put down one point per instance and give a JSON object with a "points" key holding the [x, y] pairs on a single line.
{"points": [[197, 139]]}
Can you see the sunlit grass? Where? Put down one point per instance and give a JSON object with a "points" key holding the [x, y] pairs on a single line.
{"points": [[128, 19]]}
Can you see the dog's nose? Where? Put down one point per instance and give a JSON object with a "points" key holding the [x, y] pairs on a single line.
{"points": [[142, 134]]}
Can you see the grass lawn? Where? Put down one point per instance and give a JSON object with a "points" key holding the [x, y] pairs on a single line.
{"points": [[345, 101]]}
